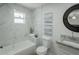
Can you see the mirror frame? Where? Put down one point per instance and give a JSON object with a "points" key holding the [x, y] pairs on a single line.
{"points": [[65, 18]]}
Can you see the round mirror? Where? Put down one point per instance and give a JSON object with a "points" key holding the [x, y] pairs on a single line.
{"points": [[71, 18]]}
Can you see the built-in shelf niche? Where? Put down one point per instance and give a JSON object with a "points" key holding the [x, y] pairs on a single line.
{"points": [[48, 24]]}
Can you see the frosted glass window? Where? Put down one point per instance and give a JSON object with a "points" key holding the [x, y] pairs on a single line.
{"points": [[17, 14], [18, 20], [19, 17]]}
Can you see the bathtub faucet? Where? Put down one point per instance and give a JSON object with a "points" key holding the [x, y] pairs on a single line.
{"points": [[1, 46]]}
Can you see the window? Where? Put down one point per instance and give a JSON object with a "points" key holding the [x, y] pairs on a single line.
{"points": [[19, 17]]}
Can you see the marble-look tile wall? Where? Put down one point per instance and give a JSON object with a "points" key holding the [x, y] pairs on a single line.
{"points": [[11, 32]]}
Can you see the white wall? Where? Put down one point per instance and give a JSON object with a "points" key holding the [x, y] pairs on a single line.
{"points": [[58, 26], [11, 32]]}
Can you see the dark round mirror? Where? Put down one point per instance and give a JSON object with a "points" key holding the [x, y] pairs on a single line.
{"points": [[71, 18]]}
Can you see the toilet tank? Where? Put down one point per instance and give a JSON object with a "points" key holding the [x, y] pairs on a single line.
{"points": [[32, 38], [46, 41]]}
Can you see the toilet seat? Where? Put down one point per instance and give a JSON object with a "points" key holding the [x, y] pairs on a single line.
{"points": [[42, 50]]}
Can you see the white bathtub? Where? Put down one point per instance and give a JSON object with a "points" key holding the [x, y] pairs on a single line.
{"points": [[22, 48]]}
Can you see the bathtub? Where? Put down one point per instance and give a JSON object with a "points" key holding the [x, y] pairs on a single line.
{"points": [[22, 48]]}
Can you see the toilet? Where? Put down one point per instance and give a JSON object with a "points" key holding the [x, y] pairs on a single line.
{"points": [[42, 50]]}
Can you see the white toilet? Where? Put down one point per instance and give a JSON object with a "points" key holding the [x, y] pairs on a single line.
{"points": [[42, 50]]}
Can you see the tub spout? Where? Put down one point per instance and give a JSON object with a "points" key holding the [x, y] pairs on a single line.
{"points": [[1, 46]]}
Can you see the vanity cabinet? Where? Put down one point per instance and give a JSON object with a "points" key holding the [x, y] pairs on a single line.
{"points": [[68, 45]]}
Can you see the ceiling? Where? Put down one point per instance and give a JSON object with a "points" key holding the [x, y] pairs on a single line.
{"points": [[32, 5]]}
